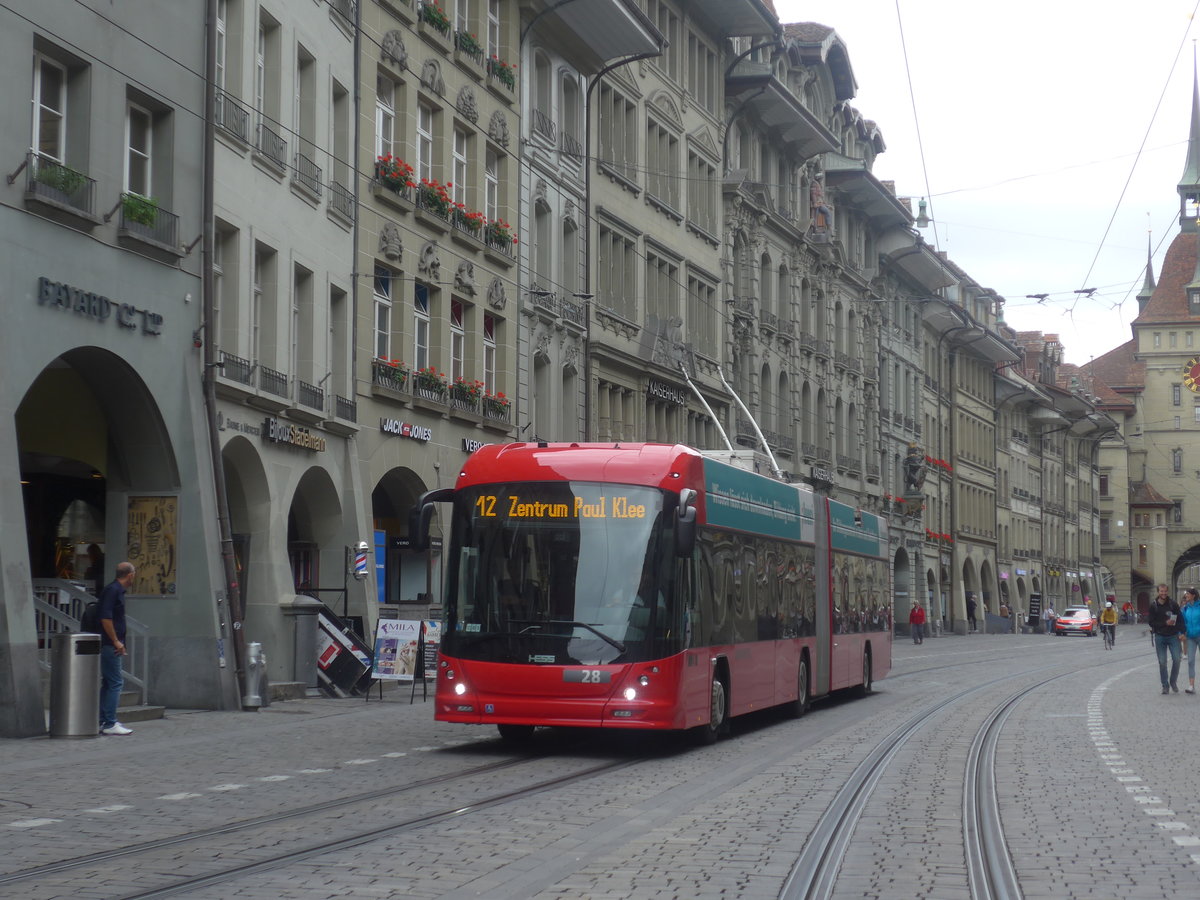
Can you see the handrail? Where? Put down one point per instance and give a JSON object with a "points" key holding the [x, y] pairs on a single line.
{"points": [[58, 605]]}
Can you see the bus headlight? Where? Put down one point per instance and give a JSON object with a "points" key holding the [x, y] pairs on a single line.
{"points": [[460, 688], [630, 693]]}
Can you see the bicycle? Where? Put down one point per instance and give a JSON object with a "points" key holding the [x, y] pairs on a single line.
{"points": [[1110, 637]]}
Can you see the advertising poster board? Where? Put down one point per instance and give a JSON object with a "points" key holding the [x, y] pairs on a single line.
{"points": [[433, 640], [1035, 610], [343, 661], [395, 649]]}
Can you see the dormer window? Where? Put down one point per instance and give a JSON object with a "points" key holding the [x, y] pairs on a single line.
{"points": [[1193, 301]]}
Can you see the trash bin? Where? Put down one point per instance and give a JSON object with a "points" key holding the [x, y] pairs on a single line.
{"points": [[75, 685]]}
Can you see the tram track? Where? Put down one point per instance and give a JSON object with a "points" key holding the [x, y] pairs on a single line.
{"points": [[131, 854], [990, 871]]}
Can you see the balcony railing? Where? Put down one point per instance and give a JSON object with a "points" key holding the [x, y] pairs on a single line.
{"points": [[310, 395], [231, 117], [543, 124], [570, 145], [572, 312], [236, 369], [386, 375], [141, 218], [273, 382], [341, 199], [271, 145], [307, 174], [345, 409], [51, 180], [496, 409]]}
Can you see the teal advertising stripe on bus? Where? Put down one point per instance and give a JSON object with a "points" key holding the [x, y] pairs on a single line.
{"points": [[743, 501], [854, 531]]}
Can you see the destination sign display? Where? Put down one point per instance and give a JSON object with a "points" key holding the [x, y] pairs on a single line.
{"points": [[513, 506]]}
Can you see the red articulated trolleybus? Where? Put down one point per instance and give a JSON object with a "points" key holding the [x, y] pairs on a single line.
{"points": [[649, 586]]}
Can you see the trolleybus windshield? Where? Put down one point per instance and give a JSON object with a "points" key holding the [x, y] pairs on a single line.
{"points": [[562, 573]]}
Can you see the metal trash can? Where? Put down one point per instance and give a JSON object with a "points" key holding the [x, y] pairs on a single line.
{"points": [[75, 685], [256, 664]]}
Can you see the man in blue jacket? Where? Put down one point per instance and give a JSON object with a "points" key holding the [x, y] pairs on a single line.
{"points": [[112, 648]]}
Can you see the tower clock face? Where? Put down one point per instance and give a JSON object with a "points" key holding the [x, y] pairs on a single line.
{"points": [[1191, 374]]}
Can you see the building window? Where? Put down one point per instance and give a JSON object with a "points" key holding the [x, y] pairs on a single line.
{"points": [[1105, 529], [1194, 302], [702, 193], [1177, 423], [702, 315], [1176, 394], [461, 149], [491, 185], [662, 164], [617, 118], [1157, 339], [493, 28], [383, 313], [1177, 512], [1142, 554], [458, 341], [1176, 461], [702, 75], [139, 135], [489, 353], [662, 288], [49, 108], [420, 326], [462, 15], [385, 116], [424, 160], [222, 20], [1104, 486], [1196, 414], [616, 272]]}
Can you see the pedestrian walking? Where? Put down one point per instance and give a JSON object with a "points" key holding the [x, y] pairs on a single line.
{"points": [[916, 623], [1048, 619], [1190, 610], [971, 612], [1164, 625], [112, 648]]}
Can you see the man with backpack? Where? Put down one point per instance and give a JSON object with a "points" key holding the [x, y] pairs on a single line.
{"points": [[112, 647]]}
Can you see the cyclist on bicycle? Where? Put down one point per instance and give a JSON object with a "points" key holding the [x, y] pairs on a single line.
{"points": [[1108, 625]]}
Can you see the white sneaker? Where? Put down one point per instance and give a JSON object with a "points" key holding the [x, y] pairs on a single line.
{"points": [[116, 728]]}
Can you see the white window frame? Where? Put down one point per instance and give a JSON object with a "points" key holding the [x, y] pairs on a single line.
{"points": [[424, 161], [489, 353], [147, 155], [260, 72], [493, 28], [458, 341], [462, 15], [461, 150], [420, 326], [40, 61], [383, 313], [222, 19], [256, 304], [385, 116], [491, 185]]}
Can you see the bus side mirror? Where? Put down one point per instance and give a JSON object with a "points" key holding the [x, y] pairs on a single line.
{"points": [[421, 515], [685, 528]]}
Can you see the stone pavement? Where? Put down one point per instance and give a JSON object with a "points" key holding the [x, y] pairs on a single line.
{"points": [[1098, 793]]}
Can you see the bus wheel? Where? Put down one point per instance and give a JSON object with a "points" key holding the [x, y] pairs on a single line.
{"points": [[799, 706], [866, 686], [708, 734], [516, 734]]}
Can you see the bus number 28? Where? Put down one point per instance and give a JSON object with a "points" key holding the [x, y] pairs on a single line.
{"points": [[587, 676]]}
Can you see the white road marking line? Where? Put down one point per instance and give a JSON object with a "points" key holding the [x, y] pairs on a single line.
{"points": [[226, 787], [359, 762], [275, 778], [182, 796], [101, 810], [32, 823]]}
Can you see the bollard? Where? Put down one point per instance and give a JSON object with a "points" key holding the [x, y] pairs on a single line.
{"points": [[256, 664]]}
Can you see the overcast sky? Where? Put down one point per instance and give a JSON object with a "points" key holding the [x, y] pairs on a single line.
{"points": [[1041, 122]]}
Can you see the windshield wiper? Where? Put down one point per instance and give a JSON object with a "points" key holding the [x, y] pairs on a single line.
{"points": [[596, 631]]}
